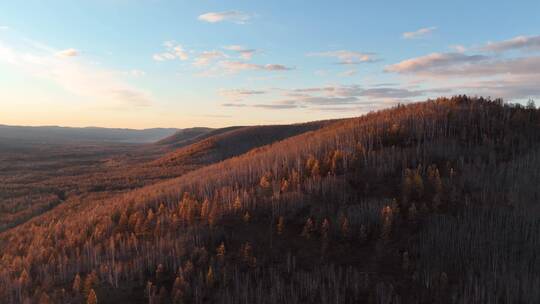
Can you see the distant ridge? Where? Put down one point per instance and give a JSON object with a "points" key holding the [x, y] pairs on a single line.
{"points": [[220, 144], [58, 135]]}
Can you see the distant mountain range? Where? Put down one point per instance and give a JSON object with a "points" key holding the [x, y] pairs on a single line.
{"points": [[55, 134]]}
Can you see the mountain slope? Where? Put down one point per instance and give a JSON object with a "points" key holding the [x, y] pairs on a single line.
{"points": [[224, 143], [430, 202], [189, 136], [31, 184]]}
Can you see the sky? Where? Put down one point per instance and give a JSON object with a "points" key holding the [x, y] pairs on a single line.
{"points": [[158, 63]]}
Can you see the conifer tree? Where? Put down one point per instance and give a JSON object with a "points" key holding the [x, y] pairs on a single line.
{"points": [[345, 229], [280, 225], [92, 297], [325, 229], [210, 276], [246, 217], [76, 287], [308, 228]]}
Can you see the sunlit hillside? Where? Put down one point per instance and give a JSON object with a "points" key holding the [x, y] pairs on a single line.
{"points": [[431, 202]]}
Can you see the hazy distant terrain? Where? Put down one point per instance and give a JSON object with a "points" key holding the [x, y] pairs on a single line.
{"points": [[53, 134]]}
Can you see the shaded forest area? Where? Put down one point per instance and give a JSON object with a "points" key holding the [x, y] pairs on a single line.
{"points": [[433, 202]]}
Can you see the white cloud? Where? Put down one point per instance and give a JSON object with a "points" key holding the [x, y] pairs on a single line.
{"points": [[68, 53], [419, 33], [4, 28], [233, 67], [101, 85], [173, 51], [458, 48], [135, 73], [227, 67], [268, 106], [163, 56], [348, 73], [274, 67], [244, 53], [455, 64], [496, 75], [432, 62], [507, 87], [237, 17], [346, 95], [239, 94], [346, 56], [206, 57], [180, 52], [519, 42], [323, 98]]}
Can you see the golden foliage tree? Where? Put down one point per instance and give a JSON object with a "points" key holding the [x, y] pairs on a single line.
{"points": [[92, 297]]}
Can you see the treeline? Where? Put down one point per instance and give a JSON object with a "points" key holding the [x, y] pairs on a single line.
{"points": [[429, 202]]}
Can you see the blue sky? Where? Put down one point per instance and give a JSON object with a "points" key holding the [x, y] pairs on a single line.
{"points": [[156, 63]]}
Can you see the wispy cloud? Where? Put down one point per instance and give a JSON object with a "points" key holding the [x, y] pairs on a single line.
{"points": [[234, 105], [237, 17], [516, 43], [433, 62], [244, 53], [454, 64], [4, 27], [348, 73], [498, 75], [173, 51], [233, 67], [101, 85], [458, 48], [68, 53], [206, 57], [269, 106], [338, 96], [419, 33], [135, 73], [239, 94], [346, 56]]}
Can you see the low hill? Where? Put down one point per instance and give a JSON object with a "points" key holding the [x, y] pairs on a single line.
{"points": [[224, 143], [433, 202], [184, 137]]}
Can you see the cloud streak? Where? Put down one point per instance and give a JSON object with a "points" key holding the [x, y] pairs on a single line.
{"points": [[346, 56], [239, 94], [492, 72], [237, 17], [433, 62], [68, 53], [342, 97], [516, 43], [419, 33], [234, 67], [243, 52], [206, 57]]}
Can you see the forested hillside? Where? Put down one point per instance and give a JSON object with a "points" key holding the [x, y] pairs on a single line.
{"points": [[39, 177], [433, 202]]}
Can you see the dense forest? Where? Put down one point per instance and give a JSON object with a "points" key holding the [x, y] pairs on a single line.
{"points": [[36, 177], [432, 202]]}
